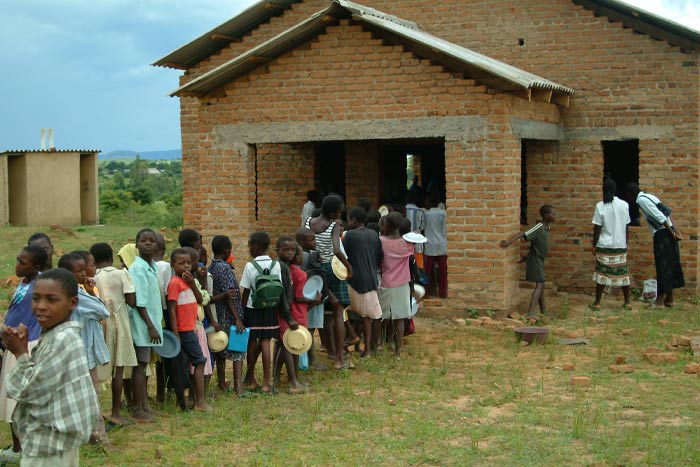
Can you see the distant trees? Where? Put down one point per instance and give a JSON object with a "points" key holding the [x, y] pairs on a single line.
{"points": [[129, 194]]}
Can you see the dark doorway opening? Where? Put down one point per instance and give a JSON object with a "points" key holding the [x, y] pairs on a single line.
{"points": [[330, 168], [419, 166], [621, 163]]}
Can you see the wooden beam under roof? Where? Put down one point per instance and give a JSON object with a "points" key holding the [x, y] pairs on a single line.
{"points": [[225, 37], [541, 95]]}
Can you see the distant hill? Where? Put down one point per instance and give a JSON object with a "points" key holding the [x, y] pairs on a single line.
{"points": [[120, 154]]}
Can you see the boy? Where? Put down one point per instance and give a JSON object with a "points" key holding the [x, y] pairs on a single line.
{"points": [[183, 298], [145, 319], [51, 383], [29, 262], [365, 254], [262, 322]]}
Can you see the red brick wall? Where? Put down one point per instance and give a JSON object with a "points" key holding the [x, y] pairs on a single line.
{"points": [[627, 85]]}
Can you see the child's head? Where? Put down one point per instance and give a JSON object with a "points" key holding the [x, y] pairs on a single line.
{"points": [[146, 243], [160, 248], [357, 217], [392, 222], [405, 226], [313, 196], [609, 190], [221, 246], [258, 243], [364, 204], [54, 298], [190, 238], [299, 257], [181, 261], [127, 255], [373, 216], [75, 264], [42, 240], [548, 213], [332, 206], [103, 254], [90, 268], [30, 261], [286, 249], [194, 258], [306, 238]]}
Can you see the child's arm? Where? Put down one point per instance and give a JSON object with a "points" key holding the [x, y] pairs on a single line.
{"points": [[90, 286], [507, 243], [190, 280], [310, 301], [130, 299], [172, 312], [210, 318], [152, 331], [245, 293], [16, 340], [337, 251]]}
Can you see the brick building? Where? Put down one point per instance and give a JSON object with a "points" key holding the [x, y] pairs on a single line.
{"points": [[502, 105]]}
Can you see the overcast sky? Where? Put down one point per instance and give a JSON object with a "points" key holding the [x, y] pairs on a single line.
{"points": [[83, 68]]}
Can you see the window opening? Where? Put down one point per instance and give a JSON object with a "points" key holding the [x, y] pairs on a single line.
{"points": [[621, 163]]}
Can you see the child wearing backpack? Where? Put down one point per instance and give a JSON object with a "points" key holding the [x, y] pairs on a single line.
{"points": [[261, 291]]}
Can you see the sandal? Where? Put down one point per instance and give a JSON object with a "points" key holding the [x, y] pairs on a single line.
{"points": [[594, 307]]}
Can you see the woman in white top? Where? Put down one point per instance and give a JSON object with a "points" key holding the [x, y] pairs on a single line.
{"points": [[667, 257], [610, 223]]}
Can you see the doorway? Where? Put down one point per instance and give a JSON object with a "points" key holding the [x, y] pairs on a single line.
{"points": [[330, 168]]}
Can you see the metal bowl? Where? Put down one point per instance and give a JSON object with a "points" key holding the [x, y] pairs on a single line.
{"points": [[531, 334]]}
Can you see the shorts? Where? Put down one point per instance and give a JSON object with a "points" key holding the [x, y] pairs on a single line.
{"points": [[189, 343], [143, 354], [365, 304]]}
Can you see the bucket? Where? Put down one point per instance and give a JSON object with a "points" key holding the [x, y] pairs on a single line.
{"points": [[238, 342]]}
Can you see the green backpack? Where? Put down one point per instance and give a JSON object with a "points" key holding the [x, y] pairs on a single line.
{"points": [[268, 287]]}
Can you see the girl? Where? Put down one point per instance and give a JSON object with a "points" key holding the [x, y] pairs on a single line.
{"points": [[290, 253], [226, 296], [117, 292], [396, 289], [538, 236], [327, 229]]}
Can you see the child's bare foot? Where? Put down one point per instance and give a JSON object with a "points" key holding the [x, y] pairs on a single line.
{"points": [[225, 387], [298, 388], [143, 417], [118, 420], [203, 407]]}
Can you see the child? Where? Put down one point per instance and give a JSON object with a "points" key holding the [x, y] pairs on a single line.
{"points": [[89, 312], [42, 240], [287, 253], [29, 262], [436, 247], [538, 236], [263, 322], [56, 402], [183, 297], [89, 285], [395, 292], [117, 292], [311, 264], [145, 319], [229, 310], [365, 253], [162, 370], [327, 229]]}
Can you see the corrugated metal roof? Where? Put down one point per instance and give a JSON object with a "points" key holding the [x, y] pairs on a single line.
{"points": [[495, 73], [211, 42], [47, 151]]}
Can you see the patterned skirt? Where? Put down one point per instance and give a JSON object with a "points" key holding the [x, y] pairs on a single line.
{"points": [[611, 267], [667, 257]]}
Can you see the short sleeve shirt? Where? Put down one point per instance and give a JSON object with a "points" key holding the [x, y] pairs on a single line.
{"points": [[250, 273], [365, 254], [145, 277], [186, 311], [612, 218], [395, 271]]}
